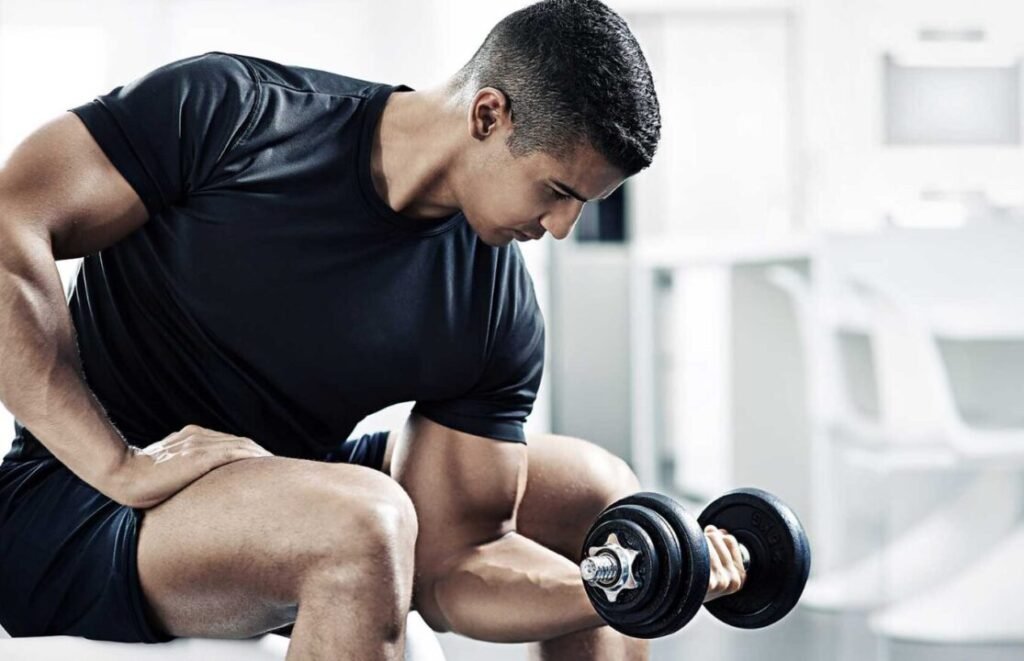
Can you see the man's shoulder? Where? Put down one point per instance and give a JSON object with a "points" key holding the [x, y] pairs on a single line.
{"points": [[304, 79]]}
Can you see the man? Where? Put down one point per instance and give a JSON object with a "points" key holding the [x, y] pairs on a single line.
{"points": [[272, 253]]}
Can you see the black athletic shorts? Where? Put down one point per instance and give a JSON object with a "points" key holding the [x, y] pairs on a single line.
{"points": [[68, 553]]}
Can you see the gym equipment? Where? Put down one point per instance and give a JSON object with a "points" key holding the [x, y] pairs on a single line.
{"points": [[646, 563]]}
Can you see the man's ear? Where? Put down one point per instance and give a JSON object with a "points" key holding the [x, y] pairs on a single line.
{"points": [[488, 112]]}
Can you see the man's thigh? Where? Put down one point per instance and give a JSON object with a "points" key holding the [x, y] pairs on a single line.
{"points": [[225, 557]]}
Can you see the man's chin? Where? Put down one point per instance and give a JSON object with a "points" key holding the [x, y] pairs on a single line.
{"points": [[494, 238]]}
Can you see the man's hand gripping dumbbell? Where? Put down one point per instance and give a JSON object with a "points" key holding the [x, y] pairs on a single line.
{"points": [[648, 565]]}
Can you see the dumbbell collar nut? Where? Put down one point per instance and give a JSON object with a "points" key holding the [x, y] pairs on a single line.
{"points": [[610, 568]]}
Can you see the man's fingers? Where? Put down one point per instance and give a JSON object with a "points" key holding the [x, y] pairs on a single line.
{"points": [[189, 441], [736, 554], [717, 570], [164, 450], [730, 573]]}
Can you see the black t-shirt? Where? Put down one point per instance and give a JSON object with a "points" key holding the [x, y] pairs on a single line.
{"points": [[272, 293]]}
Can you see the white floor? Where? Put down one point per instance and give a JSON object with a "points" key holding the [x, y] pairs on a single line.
{"points": [[804, 636]]}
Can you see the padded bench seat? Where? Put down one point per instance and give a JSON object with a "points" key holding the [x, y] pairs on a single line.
{"points": [[421, 645]]}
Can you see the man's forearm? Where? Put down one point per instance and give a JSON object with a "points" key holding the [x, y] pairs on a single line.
{"points": [[40, 375], [514, 590]]}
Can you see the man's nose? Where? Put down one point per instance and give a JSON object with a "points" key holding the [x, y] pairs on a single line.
{"points": [[561, 224]]}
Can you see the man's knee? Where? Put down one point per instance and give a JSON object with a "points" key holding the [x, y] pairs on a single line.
{"points": [[386, 520], [375, 522], [372, 558], [622, 481], [609, 478]]}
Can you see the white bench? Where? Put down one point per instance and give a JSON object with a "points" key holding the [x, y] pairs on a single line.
{"points": [[421, 645]]}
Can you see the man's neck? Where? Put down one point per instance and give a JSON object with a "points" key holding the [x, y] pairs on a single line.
{"points": [[414, 152]]}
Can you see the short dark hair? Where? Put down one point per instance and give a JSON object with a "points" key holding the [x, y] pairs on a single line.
{"points": [[573, 74]]}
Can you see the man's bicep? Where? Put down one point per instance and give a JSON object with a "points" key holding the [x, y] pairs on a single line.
{"points": [[469, 484]]}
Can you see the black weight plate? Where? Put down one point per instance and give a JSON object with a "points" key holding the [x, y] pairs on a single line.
{"points": [[629, 603], [645, 531], [690, 584], [780, 557]]}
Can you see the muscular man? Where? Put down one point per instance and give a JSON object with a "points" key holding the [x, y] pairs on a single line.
{"points": [[272, 253]]}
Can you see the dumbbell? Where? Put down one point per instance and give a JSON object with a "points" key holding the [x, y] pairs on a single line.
{"points": [[646, 563]]}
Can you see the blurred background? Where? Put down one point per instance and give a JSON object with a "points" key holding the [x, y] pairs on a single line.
{"points": [[817, 289]]}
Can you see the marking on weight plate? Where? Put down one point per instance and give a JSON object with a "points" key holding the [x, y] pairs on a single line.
{"points": [[771, 535]]}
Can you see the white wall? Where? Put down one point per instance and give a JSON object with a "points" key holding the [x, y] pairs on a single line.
{"points": [[843, 177], [727, 85], [852, 180]]}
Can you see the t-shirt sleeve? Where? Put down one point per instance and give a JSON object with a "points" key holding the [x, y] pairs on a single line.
{"points": [[169, 131], [498, 405]]}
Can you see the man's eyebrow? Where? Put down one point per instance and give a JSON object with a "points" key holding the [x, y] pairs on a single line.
{"points": [[570, 191]]}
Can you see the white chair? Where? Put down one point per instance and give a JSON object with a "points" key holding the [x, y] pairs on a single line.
{"points": [[421, 645], [905, 292]]}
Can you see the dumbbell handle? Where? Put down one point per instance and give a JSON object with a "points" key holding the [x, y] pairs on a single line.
{"points": [[606, 569]]}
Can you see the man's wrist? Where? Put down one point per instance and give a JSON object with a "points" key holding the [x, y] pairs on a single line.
{"points": [[113, 480]]}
